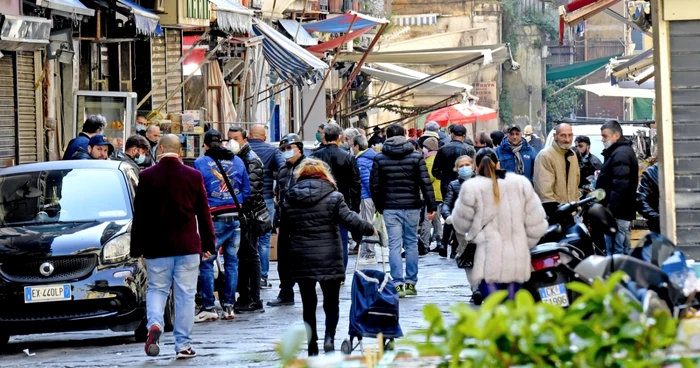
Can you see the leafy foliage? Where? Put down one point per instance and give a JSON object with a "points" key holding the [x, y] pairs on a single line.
{"points": [[505, 106], [602, 328], [514, 19], [563, 103]]}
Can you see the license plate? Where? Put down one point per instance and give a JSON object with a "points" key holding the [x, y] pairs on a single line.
{"points": [[555, 295], [47, 293]]}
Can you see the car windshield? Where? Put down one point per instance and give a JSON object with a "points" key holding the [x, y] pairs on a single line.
{"points": [[74, 195]]}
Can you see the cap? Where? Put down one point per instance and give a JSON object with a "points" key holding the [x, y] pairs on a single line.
{"points": [[431, 144], [212, 135], [432, 126], [459, 130], [99, 140], [291, 138], [514, 126]]}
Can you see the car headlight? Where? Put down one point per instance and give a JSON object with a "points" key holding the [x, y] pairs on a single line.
{"points": [[117, 250]]}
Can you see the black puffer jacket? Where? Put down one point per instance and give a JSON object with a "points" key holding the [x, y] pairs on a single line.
{"points": [[345, 171], [399, 176], [444, 166], [312, 211], [648, 198], [285, 180], [450, 198], [256, 174], [619, 177]]}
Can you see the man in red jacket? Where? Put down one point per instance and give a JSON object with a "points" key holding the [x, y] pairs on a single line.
{"points": [[171, 198]]}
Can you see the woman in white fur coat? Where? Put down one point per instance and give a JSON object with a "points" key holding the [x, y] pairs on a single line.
{"points": [[503, 216]]}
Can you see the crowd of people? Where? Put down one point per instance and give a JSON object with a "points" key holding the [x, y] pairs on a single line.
{"points": [[481, 198]]}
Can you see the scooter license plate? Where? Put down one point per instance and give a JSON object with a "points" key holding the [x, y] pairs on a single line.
{"points": [[555, 294]]}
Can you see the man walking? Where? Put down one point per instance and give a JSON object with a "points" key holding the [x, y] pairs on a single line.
{"points": [[171, 198], [515, 154], [557, 172], [365, 160], [619, 177], [399, 177], [91, 127], [217, 162]]}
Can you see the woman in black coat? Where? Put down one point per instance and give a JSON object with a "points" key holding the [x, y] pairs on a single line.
{"points": [[312, 210]]}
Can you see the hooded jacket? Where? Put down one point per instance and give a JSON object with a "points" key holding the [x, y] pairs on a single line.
{"points": [[285, 180], [444, 167], [255, 170], [273, 162], [217, 191], [399, 177], [648, 198], [507, 158], [364, 161], [345, 171], [313, 209], [619, 177], [557, 175], [79, 142]]}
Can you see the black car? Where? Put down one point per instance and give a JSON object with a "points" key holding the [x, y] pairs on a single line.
{"points": [[64, 250]]}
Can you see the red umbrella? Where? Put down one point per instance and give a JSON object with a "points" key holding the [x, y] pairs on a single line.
{"points": [[461, 114]]}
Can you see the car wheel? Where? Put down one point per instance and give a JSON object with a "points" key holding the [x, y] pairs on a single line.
{"points": [[169, 316], [141, 333]]}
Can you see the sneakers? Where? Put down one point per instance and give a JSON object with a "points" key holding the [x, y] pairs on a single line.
{"points": [[279, 302], [264, 284], [152, 348], [401, 291], [229, 313], [411, 290], [252, 307], [186, 354], [206, 315]]}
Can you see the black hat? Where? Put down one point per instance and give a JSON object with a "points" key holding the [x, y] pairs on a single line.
{"points": [[514, 126], [212, 135], [459, 130], [291, 138]]}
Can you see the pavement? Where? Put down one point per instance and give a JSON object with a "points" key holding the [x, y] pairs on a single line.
{"points": [[247, 341]]}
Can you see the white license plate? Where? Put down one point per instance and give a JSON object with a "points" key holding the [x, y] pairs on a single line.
{"points": [[555, 295], [47, 293]]}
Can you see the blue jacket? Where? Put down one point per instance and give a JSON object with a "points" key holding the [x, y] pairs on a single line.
{"points": [[364, 162], [272, 160], [79, 142], [217, 191], [507, 158]]}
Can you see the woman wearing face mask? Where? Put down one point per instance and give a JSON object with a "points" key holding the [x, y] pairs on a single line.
{"points": [[134, 151]]}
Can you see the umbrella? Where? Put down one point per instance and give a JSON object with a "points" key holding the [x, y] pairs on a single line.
{"points": [[462, 113]]}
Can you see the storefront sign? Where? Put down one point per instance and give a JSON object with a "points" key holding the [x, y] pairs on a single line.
{"points": [[487, 93]]}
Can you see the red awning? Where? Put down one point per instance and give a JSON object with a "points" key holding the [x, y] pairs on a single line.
{"points": [[580, 10], [329, 45]]}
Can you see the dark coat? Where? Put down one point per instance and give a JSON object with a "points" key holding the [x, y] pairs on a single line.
{"points": [[648, 198], [312, 212], [273, 162], [399, 176], [444, 166], [450, 198], [507, 158], [171, 212], [79, 142], [589, 165], [81, 154], [375, 140], [345, 171], [619, 177], [285, 180], [256, 173]]}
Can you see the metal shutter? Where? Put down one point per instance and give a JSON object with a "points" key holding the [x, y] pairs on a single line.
{"points": [[164, 58], [7, 109], [26, 103]]}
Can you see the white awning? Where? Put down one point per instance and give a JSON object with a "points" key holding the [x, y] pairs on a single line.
{"points": [[294, 29], [446, 40], [232, 16], [403, 76], [73, 9], [491, 53], [607, 90], [21, 33]]}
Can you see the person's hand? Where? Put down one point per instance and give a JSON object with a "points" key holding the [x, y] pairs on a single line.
{"points": [[376, 233], [206, 256], [448, 220], [431, 215]]}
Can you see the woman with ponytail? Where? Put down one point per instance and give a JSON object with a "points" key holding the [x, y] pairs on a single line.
{"points": [[503, 216]]}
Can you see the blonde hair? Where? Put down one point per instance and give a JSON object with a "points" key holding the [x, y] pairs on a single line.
{"points": [[460, 158], [313, 168]]}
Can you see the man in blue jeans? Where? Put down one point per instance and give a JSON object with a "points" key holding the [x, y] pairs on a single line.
{"points": [[171, 198], [273, 162], [399, 176], [225, 213]]}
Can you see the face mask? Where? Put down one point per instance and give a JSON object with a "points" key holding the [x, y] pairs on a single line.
{"points": [[234, 146], [425, 151], [465, 172], [318, 137], [288, 154], [139, 159], [140, 128], [607, 144]]}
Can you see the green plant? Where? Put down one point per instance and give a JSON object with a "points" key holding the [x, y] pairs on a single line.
{"points": [[505, 106], [514, 19], [602, 328], [563, 103]]}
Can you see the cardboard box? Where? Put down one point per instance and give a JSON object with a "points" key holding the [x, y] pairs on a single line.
{"points": [[273, 247]]}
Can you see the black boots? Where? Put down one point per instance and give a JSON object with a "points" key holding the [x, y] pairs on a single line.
{"points": [[313, 348], [328, 344]]}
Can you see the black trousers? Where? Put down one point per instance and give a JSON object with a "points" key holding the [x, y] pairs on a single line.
{"points": [[248, 267], [331, 305], [286, 283]]}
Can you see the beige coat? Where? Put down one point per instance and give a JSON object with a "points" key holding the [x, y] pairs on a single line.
{"points": [[550, 175]]}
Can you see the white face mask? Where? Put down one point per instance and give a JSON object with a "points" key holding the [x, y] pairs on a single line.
{"points": [[607, 144], [234, 146]]}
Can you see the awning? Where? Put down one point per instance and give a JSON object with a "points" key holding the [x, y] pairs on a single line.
{"points": [[415, 19], [289, 61], [492, 54], [607, 90], [403, 77], [633, 64], [68, 8], [146, 22], [21, 33], [341, 23], [294, 29], [579, 10], [444, 40], [576, 69], [232, 16], [329, 45]]}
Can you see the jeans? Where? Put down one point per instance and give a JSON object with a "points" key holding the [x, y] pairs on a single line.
{"points": [[264, 242], [620, 243], [248, 268], [367, 211], [344, 237], [228, 236], [402, 228], [331, 305], [436, 226], [179, 272]]}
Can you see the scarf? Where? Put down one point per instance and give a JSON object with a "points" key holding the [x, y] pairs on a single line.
{"points": [[519, 166]]}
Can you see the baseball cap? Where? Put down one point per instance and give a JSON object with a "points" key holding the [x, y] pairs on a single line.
{"points": [[212, 135], [514, 126], [99, 140]]}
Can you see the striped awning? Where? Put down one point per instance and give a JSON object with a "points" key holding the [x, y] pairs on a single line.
{"points": [[415, 19], [289, 61], [341, 23]]}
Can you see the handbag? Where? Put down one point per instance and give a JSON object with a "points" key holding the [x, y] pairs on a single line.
{"points": [[466, 258], [260, 224]]}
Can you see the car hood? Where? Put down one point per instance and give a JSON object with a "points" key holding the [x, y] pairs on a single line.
{"points": [[57, 239]]}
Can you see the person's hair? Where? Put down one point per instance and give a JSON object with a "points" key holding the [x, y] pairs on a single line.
{"points": [[360, 141], [415, 144], [460, 158], [486, 160], [497, 137], [239, 129], [613, 126], [313, 168], [583, 139], [331, 132], [351, 133], [94, 123], [485, 139], [141, 116], [459, 130], [137, 141], [394, 130]]}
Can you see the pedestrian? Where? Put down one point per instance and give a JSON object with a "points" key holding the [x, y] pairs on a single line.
{"points": [[312, 211], [153, 136], [91, 127], [482, 140], [443, 169], [377, 137], [135, 151], [345, 171], [532, 139], [444, 138], [430, 149], [619, 177], [293, 153], [497, 137], [225, 210], [398, 178], [98, 148], [249, 274], [273, 162], [515, 154], [348, 135], [171, 198], [589, 162], [648, 198], [503, 216], [432, 130], [141, 123], [319, 135], [557, 172], [365, 159]]}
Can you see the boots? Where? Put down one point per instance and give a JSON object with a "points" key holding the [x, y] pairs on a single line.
{"points": [[328, 346], [313, 348]]}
